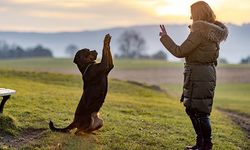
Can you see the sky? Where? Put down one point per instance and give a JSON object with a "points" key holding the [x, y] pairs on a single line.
{"points": [[81, 15]]}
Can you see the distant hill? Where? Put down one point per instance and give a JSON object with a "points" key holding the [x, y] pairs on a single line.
{"points": [[234, 49]]}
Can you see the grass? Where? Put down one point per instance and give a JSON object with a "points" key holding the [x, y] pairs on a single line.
{"points": [[8, 125], [37, 64], [135, 117], [230, 96], [235, 97]]}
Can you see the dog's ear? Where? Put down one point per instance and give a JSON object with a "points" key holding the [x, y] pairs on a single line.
{"points": [[76, 59]]}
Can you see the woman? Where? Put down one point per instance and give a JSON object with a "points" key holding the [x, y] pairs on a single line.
{"points": [[200, 50]]}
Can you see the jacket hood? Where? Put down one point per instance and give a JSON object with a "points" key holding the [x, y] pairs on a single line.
{"points": [[216, 32]]}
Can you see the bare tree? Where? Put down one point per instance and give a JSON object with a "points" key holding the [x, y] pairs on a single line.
{"points": [[132, 44], [71, 50]]}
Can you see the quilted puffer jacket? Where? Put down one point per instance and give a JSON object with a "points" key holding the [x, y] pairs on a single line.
{"points": [[200, 50]]}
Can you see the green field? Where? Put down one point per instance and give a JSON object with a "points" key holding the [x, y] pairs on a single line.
{"points": [[62, 63], [37, 64], [135, 117], [66, 63]]}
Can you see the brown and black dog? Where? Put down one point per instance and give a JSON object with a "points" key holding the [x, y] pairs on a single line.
{"points": [[95, 88]]}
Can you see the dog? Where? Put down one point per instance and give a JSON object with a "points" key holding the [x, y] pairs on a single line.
{"points": [[95, 87]]}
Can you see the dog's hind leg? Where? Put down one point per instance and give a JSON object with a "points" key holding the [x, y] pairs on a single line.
{"points": [[98, 122]]}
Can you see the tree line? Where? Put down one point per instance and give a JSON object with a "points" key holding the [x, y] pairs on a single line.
{"points": [[15, 51]]}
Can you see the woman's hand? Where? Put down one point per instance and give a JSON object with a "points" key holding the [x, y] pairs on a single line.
{"points": [[163, 31]]}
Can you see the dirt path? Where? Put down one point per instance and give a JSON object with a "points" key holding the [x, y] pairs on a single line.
{"points": [[175, 75], [25, 137], [240, 119]]}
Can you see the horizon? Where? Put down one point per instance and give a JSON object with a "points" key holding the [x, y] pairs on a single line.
{"points": [[108, 28], [42, 16]]}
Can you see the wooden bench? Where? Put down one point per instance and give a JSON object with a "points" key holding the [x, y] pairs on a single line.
{"points": [[5, 93]]}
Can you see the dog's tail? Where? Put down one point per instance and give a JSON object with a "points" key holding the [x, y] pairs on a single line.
{"points": [[64, 130]]}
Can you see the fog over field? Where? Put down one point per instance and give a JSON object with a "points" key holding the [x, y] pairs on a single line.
{"points": [[234, 49]]}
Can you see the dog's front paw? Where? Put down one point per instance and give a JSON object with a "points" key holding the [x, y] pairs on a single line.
{"points": [[107, 39]]}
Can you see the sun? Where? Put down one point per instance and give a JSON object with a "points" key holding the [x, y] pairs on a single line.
{"points": [[178, 7], [173, 8]]}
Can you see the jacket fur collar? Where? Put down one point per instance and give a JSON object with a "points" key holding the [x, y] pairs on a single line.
{"points": [[216, 32]]}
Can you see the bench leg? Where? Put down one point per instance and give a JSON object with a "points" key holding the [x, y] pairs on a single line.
{"points": [[5, 98]]}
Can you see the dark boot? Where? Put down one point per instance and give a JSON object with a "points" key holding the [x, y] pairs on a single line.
{"points": [[206, 132], [199, 137], [207, 147], [194, 147]]}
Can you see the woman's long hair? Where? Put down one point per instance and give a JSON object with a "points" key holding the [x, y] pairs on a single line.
{"points": [[202, 11]]}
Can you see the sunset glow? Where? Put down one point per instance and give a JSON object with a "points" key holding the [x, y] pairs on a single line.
{"points": [[181, 8], [75, 15]]}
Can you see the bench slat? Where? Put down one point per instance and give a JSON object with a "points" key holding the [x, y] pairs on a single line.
{"points": [[6, 92]]}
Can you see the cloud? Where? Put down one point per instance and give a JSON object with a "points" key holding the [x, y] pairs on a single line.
{"points": [[56, 4], [42, 16], [59, 15], [3, 9], [45, 15]]}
